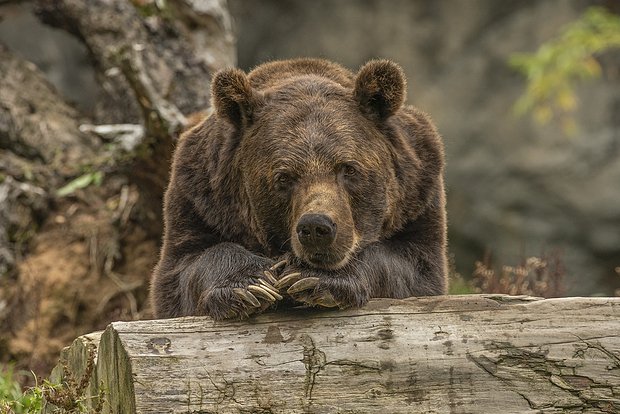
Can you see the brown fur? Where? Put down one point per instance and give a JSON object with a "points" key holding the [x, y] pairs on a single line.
{"points": [[294, 138]]}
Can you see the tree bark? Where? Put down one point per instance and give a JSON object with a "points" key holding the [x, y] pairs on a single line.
{"points": [[457, 354]]}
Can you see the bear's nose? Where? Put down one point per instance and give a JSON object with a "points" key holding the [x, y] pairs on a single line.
{"points": [[316, 230]]}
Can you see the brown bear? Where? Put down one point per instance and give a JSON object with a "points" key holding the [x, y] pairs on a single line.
{"points": [[308, 183]]}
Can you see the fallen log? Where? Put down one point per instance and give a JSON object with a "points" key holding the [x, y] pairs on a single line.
{"points": [[457, 354]]}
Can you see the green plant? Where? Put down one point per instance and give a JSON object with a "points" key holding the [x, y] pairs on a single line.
{"points": [[553, 71], [459, 286], [65, 398], [69, 397], [82, 181], [13, 400]]}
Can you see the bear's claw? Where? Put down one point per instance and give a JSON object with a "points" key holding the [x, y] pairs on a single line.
{"points": [[254, 298], [303, 284], [261, 292], [278, 265], [326, 300], [321, 298], [288, 280], [270, 289], [247, 297], [270, 277]]}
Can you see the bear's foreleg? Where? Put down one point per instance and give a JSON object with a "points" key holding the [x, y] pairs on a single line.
{"points": [[388, 269], [343, 288], [223, 281], [400, 269]]}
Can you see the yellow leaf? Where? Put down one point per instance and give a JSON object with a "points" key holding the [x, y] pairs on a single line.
{"points": [[569, 126], [566, 100], [543, 114], [592, 67]]}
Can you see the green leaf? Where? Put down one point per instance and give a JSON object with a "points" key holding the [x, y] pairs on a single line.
{"points": [[13, 399], [558, 65], [82, 181]]}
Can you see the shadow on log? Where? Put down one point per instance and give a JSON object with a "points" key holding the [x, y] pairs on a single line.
{"points": [[457, 354]]}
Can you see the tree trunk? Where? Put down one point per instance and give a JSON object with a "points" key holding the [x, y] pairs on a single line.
{"points": [[457, 354]]}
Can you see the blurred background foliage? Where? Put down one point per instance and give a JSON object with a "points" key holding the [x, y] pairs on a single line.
{"points": [[558, 65]]}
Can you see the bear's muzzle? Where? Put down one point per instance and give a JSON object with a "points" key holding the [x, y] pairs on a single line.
{"points": [[316, 231]]}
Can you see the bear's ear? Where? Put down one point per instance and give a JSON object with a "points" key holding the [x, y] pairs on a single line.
{"points": [[233, 97], [380, 89]]}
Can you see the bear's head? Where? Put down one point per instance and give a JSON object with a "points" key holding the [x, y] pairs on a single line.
{"points": [[321, 164]]}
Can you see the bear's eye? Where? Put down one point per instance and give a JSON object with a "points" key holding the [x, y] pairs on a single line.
{"points": [[349, 171], [282, 179]]}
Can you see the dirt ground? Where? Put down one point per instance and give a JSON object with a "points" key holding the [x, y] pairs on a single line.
{"points": [[88, 265]]}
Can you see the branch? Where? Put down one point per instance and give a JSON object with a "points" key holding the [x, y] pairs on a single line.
{"points": [[162, 119]]}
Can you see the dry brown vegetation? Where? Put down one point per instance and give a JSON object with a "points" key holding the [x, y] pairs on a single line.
{"points": [[542, 276]]}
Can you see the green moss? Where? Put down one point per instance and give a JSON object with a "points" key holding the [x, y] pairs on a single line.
{"points": [[159, 8]]}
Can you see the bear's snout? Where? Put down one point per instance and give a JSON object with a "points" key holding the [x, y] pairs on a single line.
{"points": [[322, 233], [316, 231]]}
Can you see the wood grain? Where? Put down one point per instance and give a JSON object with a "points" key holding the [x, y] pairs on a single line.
{"points": [[451, 354]]}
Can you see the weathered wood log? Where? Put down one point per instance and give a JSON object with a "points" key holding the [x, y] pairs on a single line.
{"points": [[457, 354]]}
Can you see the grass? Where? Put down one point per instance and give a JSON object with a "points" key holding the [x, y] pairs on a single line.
{"points": [[68, 397], [13, 400]]}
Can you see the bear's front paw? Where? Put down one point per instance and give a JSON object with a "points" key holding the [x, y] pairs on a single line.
{"points": [[327, 290], [239, 300]]}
